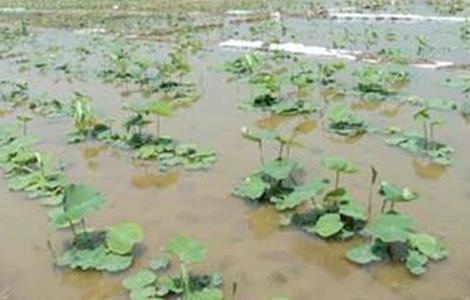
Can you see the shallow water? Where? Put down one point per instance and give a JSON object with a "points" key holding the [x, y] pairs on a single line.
{"points": [[245, 244]]}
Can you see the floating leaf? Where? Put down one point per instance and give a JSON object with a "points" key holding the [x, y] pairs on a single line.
{"points": [[328, 225], [428, 245], [416, 263], [160, 264], [97, 259], [139, 280], [362, 255], [252, 188], [207, 294], [122, 238]]}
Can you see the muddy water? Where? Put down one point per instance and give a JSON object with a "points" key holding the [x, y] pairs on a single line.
{"points": [[245, 244]]}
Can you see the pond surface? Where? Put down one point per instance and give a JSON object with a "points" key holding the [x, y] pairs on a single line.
{"points": [[244, 241]]}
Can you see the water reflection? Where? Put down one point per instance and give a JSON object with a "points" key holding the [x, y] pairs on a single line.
{"points": [[327, 255], [427, 170], [148, 180], [92, 285], [263, 222]]}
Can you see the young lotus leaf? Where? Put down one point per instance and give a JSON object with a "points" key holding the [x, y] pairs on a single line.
{"points": [[187, 250], [344, 122], [428, 245], [301, 194], [159, 264], [328, 225], [253, 188], [279, 169], [391, 228], [290, 108], [122, 238], [78, 200], [362, 255], [146, 293], [353, 210], [207, 294], [338, 164], [139, 280], [416, 263], [411, 142], [97, 259]]}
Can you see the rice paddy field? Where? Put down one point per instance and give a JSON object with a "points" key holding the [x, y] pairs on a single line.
{"points": [[237, 150]]}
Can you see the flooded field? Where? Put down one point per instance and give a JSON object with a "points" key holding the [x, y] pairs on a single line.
{"points": [[314, 157]]}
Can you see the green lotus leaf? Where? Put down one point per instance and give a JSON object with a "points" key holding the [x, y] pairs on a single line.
{"points": [[428, 245], [328, 225], [139, 280], [97, 259], [416, 263], [187, 250], [301, 194], [392, 193], [252, 188], [122, 238], [257, 135], [145, 293], [343, 121], [208, 294], [338, 164], [156, 107], [279, 169], [362, 255], [353, 210], [160, 264], [78, 200], [391, 228]]}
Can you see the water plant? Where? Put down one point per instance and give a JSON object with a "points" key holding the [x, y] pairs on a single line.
{"points": [[109, 250], [338, 165], [243, 66], [376, 83], [342, 121], [424, 143], [151, 284], [392, 236], [85, 120], [24, 120]]}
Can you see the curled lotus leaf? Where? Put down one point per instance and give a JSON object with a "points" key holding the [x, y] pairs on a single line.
{"points": [[392, 193]]}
